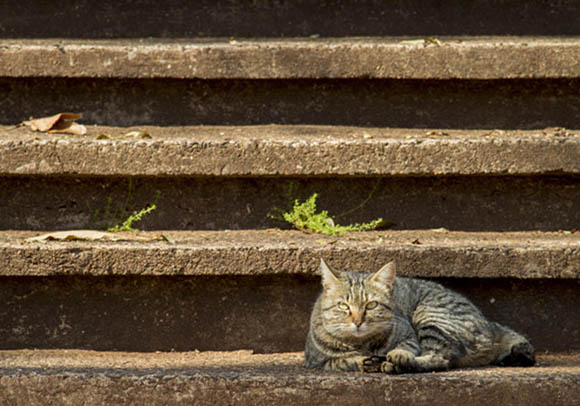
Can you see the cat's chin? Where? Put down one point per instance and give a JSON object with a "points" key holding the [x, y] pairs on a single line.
{"points": [[362, 332]]}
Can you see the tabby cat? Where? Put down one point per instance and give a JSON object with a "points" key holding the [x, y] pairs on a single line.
{"points": [[382, 323]]}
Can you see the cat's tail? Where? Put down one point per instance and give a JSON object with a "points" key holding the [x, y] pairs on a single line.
{"points": [[514, 349]]}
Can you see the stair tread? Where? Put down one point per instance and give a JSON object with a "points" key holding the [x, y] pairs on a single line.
{"points": [[236, 377], [288, 150], [494, 57], [55, 361], [423, 253]]}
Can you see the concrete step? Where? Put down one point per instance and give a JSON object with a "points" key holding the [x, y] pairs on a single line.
{"points": [[250, 289], [110, 19], [232, 378], [415, 179], [493, 82], [480, 58], [290, 151], [422, 253]]}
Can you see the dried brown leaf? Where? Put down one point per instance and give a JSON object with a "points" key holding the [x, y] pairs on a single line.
{"points": [[138, 134], [59, 123], [89, 235], [76, 235]]}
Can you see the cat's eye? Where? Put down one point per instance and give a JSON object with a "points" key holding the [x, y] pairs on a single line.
{"points": [[372, 305], [342, 306]]}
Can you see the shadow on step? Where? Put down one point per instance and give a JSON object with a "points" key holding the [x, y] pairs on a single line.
{"points": [[266, 18], [508, 203], [462, 104], [265, 314]]}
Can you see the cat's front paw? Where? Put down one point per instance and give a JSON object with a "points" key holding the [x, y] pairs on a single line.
{"points": [[399, 361], [373, 364]]}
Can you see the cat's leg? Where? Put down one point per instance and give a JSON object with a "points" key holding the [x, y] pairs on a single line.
{"points": [[439, 350], [350, 363], [319, 355], [431, 361], [513, 349], [403, 357], [399, 361]]}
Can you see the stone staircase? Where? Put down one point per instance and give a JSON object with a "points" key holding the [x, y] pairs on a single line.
{"points": [[457, 124]]}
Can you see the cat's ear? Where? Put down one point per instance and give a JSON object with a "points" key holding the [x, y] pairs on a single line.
{"points": [[385, 276], [329, 278]]}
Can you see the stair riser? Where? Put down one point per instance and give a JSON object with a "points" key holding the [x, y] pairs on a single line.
{"points": [[296, 18], [506, 104], [265, 314], [549, 203], [104, 389]]}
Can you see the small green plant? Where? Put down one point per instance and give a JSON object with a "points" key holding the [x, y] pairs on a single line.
{"points": [[304, 217], [127, 225], [119, 209]]}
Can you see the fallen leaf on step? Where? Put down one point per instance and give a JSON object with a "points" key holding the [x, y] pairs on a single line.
{"points": [[167, 238], [76, 235], [385, 224], [425, 42], [413, 42], [557, 132], [59, 123], [494, 133], [432, 40], [438, 133], [90, 235], [138, 134]]}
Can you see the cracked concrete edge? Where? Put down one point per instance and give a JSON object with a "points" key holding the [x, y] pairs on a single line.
{"points": [[276, 379], [269, 252], [289, 151], [376, 58]]}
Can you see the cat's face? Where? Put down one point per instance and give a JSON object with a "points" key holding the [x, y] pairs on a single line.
{"points": [[357, 306]]}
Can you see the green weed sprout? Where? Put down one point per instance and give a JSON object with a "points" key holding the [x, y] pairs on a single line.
{"points": [[303, 216], [127, 225]]}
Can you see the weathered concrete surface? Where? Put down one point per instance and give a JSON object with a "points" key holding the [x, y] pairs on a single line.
{"points": [[265, 313], [40, 378], [464, 203], [368, 58], [439, 253], [255, 151], [460, 104], [226, 18]]}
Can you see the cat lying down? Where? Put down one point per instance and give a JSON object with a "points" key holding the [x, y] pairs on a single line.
{"points": [[380, 322]]}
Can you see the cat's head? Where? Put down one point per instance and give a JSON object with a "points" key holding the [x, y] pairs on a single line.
{"points": [[357, 305]]}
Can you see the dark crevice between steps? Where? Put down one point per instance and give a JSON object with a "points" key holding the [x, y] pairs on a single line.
{"points": [[265, 313], [484, 203], [462, 104], [226, 18]]}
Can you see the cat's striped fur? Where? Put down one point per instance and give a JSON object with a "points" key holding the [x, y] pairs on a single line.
{"points": [[382, 323]]}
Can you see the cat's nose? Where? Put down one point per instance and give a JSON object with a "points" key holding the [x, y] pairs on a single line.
{"points": [[358, 323]]}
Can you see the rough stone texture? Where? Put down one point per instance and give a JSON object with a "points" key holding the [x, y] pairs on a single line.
{"points": [[268, 252], [265, 313], [368, 58], [275, 18], [40, 378], [461, 104], [145, 313], [475, 203], [289, 151]]}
